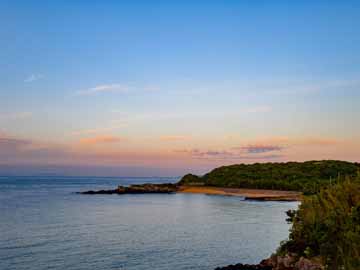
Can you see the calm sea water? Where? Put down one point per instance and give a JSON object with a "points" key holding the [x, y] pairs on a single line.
{"points": [[44, 225]]}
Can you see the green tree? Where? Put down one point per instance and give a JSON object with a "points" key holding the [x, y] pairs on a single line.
{"points": [[328, 224]]}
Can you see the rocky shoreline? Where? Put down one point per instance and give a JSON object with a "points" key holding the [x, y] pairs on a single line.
{"points": [[289, 261], [136, 189], [240, 266], [247, 194]]}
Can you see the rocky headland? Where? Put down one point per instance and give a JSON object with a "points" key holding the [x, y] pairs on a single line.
{"points": [[247, 194], [136, 189]]}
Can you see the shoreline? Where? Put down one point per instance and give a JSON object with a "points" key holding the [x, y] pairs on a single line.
{"points": [[248, 194]]}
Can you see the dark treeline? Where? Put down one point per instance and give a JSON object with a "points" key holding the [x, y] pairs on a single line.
{"points": [[307, 177]]}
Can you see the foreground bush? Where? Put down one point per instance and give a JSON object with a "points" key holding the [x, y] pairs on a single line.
{"points": [[328, 225]]}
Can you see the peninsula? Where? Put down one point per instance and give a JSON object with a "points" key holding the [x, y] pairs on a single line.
{"points": [[259, 181]]}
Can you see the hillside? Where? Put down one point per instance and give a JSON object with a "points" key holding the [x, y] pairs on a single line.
{"points": [[307, 177]]}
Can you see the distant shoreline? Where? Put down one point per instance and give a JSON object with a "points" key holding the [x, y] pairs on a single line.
{"points": [[248, 194], [168, 188]]}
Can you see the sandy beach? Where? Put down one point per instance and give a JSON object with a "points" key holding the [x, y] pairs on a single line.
{"points": [[249, 194]]}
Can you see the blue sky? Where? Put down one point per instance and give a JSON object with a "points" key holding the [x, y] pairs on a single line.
{"points": [[184, 82]]}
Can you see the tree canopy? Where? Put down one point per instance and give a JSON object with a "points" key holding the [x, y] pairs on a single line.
{"points": [[307, 177]]}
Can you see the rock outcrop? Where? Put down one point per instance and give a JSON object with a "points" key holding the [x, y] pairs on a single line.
{"points": [[291, 261], [136, 189], [240, 266], [306, 264], [288, 262]]}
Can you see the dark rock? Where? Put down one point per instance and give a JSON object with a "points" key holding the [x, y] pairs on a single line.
{"points": [[136, 189], [289, 261], [306, 264], [92, 192], [240, 266]]}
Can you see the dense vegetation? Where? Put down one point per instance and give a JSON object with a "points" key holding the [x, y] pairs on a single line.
{"points": [[328, 225], [307, 176]]}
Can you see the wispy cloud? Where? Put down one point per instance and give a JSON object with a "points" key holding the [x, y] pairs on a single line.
{"points": [[235, 153], [248, 152], [115, 87], [108, 150], [256, 149], [33, 78], [107, 139]]}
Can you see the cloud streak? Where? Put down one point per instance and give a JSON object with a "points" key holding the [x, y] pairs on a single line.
{"points": [[103, 139], [235, 153], [257, 149], [107, 150], [33, 78], [116, 87]]}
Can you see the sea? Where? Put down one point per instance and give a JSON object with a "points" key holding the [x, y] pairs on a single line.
{"points": [[44, 224]]}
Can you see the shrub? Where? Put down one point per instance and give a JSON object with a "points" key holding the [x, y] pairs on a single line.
{"points": [[328, 224]]}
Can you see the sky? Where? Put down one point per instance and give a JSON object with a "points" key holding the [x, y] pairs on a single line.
{"points": [[163, 88]]}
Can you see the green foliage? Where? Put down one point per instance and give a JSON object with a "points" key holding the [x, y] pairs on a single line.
{"points": [[307, 177], [190, 179], [328, 224]]}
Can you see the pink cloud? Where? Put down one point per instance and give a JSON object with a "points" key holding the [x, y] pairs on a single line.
{"points": [[233, 154], [100, 140], [16, 150]]}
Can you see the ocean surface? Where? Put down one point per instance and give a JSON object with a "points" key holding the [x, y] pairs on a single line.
{"points": [[45, 225]]}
